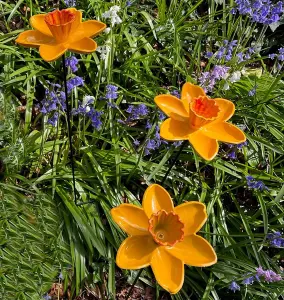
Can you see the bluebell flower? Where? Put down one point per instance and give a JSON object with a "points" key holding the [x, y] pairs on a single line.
{"points": [[46, 297], [275, 239], [51, 100], [272, 55], [112, 105], [240, 57], [84, 106], [70, 3], [278, 243], [232, 45], [128, 3], [72, 63], [151, 144], [281, 54], [252, 92], [271, 276], [208, 54], [268, 275], [241, 145], [175, 93], [220, 53], [232, 154], [251, 50], [234, 286], [249, 280], [264, 12], [61, 277], [137, 112], [111, 92], [220, 72], [95, 117], [254, 184], [136, 143], [74, 82], [247, 56], [228, 56], [161, 116], [130, 109], [148, 125], [259, 271], [208, 79], [177, 143], [53, 120], [142, 110]]}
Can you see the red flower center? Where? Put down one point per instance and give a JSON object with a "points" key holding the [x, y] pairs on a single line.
{"points": [[60, 23], [166, 228], [202, 111], [59, 17]]}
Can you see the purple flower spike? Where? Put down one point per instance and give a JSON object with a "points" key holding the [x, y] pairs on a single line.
{"points": [[249, 280], [74, 82], [234, 286], [72, 63], [175, 93], [111, 92]]}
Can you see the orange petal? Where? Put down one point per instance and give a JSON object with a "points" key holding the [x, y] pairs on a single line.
{"points": [[38, 23], [171, 106], [51, 52], [135, 252], [92, 28], [224, 132], [33, 39], [189, 92], [131, 219], [193, 216], [195, 251], [77, 22], [85, 45], [227, 109], [173, 130], [156, 198], [168, 270], [206, 147], [86, 29]]}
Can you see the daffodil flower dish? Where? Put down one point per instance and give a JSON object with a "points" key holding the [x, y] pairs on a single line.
{"points": [[61, 30], [199, 119], [163, 236]]}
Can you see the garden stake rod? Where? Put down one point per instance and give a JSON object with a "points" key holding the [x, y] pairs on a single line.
{"points": [[173, 162], [163, 180], [69, 126]]}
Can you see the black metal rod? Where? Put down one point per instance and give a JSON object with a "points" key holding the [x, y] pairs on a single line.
{"points": [[133, 284], [174, 161], [69, 126]]}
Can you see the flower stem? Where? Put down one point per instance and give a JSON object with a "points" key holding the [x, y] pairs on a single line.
{"points": [[133, 284], [174, 161], [69, 126]]}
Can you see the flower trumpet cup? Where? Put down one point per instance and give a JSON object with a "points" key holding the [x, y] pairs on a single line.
{"points": [[163, 236], [59, 31], [199, 119]]}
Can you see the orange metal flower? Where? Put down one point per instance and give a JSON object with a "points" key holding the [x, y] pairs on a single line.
{"points": [[199, 119], [59, 31], [163, 236]]}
